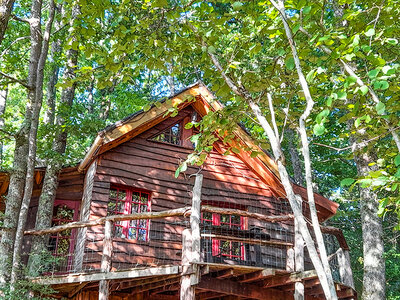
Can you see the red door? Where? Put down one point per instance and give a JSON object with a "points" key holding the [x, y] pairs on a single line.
{"points": [[62, 243]]}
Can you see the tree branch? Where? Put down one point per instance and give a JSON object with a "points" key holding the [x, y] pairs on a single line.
{"points": [[13, 42], [358, 146], [13, 79]]}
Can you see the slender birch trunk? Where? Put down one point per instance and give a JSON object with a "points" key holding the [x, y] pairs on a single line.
{"points": [[18, 174], [331, 293], [32, 146], [50, 182], [6, 7]]}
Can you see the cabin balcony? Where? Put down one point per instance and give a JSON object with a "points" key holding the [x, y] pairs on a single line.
{"points": [[214, 251]]}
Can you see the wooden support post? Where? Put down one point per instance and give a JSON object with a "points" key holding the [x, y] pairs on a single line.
{"points": [[106, 260], [299, 261], [187, 290], [290, 259], [191, 244], [195, 218], [346, 275]]}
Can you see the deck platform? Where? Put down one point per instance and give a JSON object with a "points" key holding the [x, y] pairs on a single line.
{"points": [[218, 281]]}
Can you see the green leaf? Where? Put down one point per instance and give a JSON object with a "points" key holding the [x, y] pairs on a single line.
{"points": [[380, 108], [397, 175], [346, 182], [235, 150], [370, 32], [178, 170], [388, 70], [382, 206], [290, 63], [319, 129], [342, 95], [306, 10], [373, 73], [237, 5], [211, 49], [392, 41], [310, 76], [381, 85], [397, 160], [146, 107], [189, 125], [351, 79], [357, 122], [364, 89], [253, 154]]}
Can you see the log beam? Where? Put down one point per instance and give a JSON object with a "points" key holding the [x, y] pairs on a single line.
{"points": [[115, 218], [243, 213], [133, 273]]}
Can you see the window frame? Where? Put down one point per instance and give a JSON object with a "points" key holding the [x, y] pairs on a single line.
{"points": [[179, 136], [57, 237], [127, 209], [216, 221]]}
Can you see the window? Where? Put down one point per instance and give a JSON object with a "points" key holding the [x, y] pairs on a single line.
{"points": [[172, 135], [224, 225], [128, 201]]}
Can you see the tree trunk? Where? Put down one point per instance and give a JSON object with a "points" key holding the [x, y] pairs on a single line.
{"points": [[18, 174], [3, 103], [374, 280], [6, 7], [50, 183], [295, 157], [329, 286], [32, 145], [49, 116]]}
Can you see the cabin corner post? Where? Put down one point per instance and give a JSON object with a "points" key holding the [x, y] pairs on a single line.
{"points": [[346, 275], [84, 216], [106, 260]]}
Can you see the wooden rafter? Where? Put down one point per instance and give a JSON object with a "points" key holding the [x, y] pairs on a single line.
{"points": [[231, 287], [288, 279]]}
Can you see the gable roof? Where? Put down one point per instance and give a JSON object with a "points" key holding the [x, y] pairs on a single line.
{"points": [[203, 101]]}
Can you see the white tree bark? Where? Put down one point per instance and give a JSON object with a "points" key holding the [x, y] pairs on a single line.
{"points": [[331, 293]]}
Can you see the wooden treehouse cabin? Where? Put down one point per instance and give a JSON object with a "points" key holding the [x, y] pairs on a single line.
{"points": [[125, 228]]}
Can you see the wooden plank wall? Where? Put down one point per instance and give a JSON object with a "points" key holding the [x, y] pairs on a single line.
{"points": [[144, 164]]}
